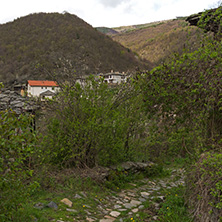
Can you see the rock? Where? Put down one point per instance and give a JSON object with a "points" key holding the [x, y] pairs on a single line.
{"points": [[135, 210], [107, 220], [145, 195], [67, 202], [39, 206], [88, 212], [128, 205], [52, 205], [115, 213], [90, 219], [77, 196], [155, 217], [109, 217], [117, 206], [161, 197], [83, 194], [157, 205], [71, 210], [131, 194], [121, 210], [142, 199], [135, 202], [119, 202]]}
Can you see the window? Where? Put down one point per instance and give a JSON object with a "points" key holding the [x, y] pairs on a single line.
{"points": [[42, 87], [45, 87], [53, 88]]}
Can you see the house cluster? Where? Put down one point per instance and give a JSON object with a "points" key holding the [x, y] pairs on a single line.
{"points": [[45, 89]]}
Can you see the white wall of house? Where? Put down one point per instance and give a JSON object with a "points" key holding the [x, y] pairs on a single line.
{"points": [[37, 90], [115, 78]]}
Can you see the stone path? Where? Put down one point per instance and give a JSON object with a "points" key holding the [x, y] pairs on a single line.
{"points": [[126, 205]]}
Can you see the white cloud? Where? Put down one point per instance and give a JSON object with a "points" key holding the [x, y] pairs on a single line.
{"points": [[110, 13]]}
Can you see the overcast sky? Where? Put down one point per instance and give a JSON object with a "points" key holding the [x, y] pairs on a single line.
{"points": [[109, 13]]}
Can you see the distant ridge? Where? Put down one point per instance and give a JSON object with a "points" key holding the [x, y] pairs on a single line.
{"points": [[157, 41], [107, 31]]}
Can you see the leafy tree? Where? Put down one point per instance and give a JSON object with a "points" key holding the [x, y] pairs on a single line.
{"points": [[92, 124]]}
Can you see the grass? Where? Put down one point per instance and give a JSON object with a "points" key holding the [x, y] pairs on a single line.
{"points": [[87, 195], [173, 209]]}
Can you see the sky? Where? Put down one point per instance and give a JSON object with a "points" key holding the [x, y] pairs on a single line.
{"points": [[108, 13]]}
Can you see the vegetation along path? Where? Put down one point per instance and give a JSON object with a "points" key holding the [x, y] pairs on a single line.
{"points": [[142, 200]]}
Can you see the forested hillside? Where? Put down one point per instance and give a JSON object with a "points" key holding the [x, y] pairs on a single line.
{"points": [[158, 41], [35, 45]]}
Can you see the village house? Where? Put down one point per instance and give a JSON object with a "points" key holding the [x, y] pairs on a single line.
{"points": [[114, 77], [42, 88]]}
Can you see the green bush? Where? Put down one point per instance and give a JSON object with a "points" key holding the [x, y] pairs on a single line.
{"points": [[93, 124], [17, 146], [205, 187], [183, 102]]}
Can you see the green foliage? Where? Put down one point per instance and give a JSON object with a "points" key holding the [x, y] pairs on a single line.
{"points": [[211, 20], [173, 209], [211, 166], [205, 187], [17, 146], [93, 124], [156, 170], [183, 98], [118, 179]]}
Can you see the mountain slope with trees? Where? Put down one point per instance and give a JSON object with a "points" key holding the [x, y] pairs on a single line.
{"points": [[34, 45], [157, 41]]}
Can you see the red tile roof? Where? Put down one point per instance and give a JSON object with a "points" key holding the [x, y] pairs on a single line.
{"points": [[42, 83]]}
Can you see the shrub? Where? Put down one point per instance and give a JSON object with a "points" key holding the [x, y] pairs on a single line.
{"points": [[183, 99], [93, 124], [17, 145], [205, 188]]}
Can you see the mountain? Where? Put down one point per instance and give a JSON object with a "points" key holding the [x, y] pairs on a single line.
{"points": [[157, 41], [107, 31], [39, 45]]}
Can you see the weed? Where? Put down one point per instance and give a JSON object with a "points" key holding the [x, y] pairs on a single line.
{"points": [[173, 209]]}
